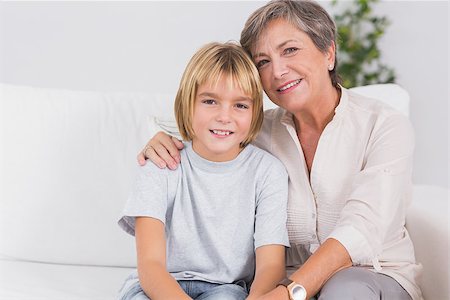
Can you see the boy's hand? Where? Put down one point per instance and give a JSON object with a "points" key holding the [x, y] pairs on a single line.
{"points": [[163, 150], [279, 293]]}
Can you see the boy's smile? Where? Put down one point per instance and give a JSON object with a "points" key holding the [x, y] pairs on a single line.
{"points": [[221, 121], [221, 133]]}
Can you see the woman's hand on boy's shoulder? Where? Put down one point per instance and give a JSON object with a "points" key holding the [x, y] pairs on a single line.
{"points": [[163, 150]]}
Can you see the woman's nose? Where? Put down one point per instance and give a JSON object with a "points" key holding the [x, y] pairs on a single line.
{"points": [[279, 68]]}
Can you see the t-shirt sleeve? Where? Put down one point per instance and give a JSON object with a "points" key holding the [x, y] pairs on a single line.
{"points": [[271, 207], [148, 197]]}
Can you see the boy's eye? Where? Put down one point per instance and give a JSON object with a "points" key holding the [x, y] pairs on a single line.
{"points": [[242, 106], [290, 50], [261, 63], [209, 101]]}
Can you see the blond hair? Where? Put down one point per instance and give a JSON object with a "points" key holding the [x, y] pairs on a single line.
{"points": [[211, 63]]}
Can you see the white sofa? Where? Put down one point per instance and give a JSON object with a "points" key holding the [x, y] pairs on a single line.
{"points": [[67, 162]]}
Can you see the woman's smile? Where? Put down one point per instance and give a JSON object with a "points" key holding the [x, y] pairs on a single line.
{"points": [[289, 86]]}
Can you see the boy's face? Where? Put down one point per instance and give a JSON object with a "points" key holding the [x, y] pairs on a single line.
{"points": [[221, 121]]}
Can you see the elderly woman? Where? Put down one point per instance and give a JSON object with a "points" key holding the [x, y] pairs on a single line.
{"points": [[349, 161]]}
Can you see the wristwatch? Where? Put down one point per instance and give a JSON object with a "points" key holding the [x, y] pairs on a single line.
{"points": [[295, 290]]}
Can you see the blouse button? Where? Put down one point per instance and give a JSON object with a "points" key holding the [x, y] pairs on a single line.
{"points": [[313, 236]]}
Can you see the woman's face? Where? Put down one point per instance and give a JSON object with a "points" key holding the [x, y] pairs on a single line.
{"points": [[293, 71]]}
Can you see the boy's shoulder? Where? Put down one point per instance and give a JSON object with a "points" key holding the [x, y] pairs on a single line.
{"points": [[257, 151], [152, 170], [265, 160]]}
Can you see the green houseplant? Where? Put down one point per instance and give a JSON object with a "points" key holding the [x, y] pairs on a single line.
{"points": [[359, 57]]}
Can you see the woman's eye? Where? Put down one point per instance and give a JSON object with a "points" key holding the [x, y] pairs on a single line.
{"points": [[261, 63], [242, 106], [209, 101], [290, 50]]}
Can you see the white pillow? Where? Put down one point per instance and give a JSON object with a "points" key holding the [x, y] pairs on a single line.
{"points": [[67, 162]]}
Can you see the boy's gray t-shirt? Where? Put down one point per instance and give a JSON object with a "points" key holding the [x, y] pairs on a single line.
{"points": [[215, 213]]}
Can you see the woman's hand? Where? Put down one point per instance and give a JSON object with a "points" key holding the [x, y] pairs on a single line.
{"points": [[163, 150]]}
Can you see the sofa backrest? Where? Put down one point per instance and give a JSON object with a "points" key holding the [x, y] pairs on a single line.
{"points": [[67, 163]]}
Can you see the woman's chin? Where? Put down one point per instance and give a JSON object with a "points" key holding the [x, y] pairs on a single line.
{"points": [[291, 104]]}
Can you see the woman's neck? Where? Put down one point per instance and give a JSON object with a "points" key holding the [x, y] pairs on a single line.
{"points": [[320, 113]]}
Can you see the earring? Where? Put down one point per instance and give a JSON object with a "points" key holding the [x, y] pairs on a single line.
{"points": [[330, 67]]}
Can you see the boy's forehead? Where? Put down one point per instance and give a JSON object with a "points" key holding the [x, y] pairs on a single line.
{"points": [[224, 84], [226, 80], [223, 91]]}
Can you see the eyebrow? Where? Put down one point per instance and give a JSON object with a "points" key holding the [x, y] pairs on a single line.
{"points": [[213, 95], [278, 47]]}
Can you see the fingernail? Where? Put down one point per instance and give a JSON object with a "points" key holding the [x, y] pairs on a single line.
{"points": [[173, 166]]}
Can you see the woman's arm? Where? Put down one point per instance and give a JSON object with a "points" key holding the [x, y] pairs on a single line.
{"points": [[270, 269], [156, 282], [328, 259], [375, 204], [162, 150]]}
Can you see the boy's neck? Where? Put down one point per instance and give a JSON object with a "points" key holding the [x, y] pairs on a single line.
{"points": [[212, 157]]}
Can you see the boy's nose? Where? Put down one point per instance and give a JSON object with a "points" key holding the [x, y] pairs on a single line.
{"points": [[224, 115]]}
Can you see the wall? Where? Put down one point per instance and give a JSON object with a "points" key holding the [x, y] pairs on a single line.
{"points": [[144, 46]]}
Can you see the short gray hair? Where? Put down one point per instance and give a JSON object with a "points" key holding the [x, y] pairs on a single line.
{"points": [[306, 15]]}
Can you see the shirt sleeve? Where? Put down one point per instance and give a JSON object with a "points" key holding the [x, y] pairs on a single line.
{"points": [[379, 193], [148, 197], [271, 207]]}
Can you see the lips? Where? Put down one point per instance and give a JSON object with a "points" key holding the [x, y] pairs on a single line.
{"points": [[289, 85]]}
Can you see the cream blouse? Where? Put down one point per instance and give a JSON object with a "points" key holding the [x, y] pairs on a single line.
{"points": [[359, 186]]}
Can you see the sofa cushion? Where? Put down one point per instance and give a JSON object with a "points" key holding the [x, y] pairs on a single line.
{"points": [[428, 224], [40, 281]]}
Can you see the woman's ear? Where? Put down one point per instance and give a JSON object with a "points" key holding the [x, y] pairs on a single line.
{"points": [[331, 56]]}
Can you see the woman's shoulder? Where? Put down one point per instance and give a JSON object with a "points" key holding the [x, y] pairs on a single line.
{"points": [[361, 104], [378, 117]]}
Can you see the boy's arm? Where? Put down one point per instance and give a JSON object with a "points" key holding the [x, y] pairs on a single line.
{"points": [[156, 282], [270, 269]]}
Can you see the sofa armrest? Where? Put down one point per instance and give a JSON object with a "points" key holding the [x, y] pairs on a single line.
{"points": [[427, 223]]}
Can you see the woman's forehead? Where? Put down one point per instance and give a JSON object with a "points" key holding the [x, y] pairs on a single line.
{"points": [[277, 32]]}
